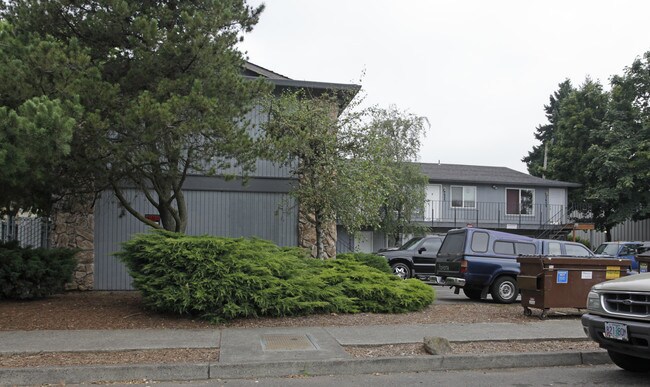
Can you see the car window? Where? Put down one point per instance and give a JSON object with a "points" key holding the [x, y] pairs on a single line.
{"points": [[480, 242], [501, 247], [525, 248], [576, 251], [432, 245], [410, 245], [629, 249], [554, 248], [608, 249], [453, 244]]}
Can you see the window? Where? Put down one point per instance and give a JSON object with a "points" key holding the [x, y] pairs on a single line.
{"points": [[463, 197], [501, 247], [519, 201], [525, 248], [508, 248], [454, 244], [432, 245], [577, 251], [480, 242], [554, 248]]}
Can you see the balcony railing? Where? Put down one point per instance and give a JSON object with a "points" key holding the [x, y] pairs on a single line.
{"points": [[491, 215]]}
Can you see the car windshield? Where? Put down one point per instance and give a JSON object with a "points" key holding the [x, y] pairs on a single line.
{"points": [[410, 244], [607, 249]]}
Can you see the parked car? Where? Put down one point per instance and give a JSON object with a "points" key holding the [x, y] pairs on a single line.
{"points": [[416, 257], [618, 319], [626, 250], [553, 247], [482, 261]]}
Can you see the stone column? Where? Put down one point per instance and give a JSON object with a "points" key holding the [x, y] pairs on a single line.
{"points": [[73, 226], [307, 235]]}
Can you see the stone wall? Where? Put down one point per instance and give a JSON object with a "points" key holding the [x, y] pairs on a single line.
{"points": [[307, 235], [73, 226]]}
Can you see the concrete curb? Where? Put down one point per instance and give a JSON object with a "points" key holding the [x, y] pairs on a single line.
{"points": [[81, 374], [204, 371]]}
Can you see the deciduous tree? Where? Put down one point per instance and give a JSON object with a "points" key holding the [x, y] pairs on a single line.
{"points": [[352, 166]]}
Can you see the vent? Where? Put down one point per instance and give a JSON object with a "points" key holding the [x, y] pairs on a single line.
{"points": [[287, 343]]}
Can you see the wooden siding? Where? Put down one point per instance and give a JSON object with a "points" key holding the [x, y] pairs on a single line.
{"points": [[231, 214]]}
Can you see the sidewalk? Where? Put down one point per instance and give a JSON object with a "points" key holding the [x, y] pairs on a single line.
{"points": [[285, 351]]}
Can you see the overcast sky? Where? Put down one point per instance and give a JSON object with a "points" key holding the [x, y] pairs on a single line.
{"points": [[480, 71]]}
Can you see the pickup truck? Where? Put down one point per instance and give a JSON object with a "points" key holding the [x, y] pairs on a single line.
{"points": [[618, 319], [481, 261]]}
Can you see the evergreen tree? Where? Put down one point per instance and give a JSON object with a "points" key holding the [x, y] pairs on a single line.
{"points": [[169, 100]]}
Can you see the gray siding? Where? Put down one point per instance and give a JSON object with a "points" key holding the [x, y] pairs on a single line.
{"points": [[264, 168], [344, 241], [626, 231], [268, 216]]}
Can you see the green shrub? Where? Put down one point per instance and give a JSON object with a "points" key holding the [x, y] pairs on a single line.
{"points": [[372, 260], [27, 273], [225, 278]]}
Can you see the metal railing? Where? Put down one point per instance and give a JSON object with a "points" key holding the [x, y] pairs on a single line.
{"points": [[491, 215], [27, 230]]}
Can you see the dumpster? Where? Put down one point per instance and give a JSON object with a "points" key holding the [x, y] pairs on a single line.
{"points": [[563, 282], [644, 261]]}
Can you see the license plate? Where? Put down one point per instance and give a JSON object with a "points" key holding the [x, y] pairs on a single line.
{"points": [[616, 331]]}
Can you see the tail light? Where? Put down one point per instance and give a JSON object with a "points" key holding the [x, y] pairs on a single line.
{"points": [[463, 266]]}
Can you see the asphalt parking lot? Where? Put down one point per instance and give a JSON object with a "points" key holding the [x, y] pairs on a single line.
{"points": [[445, 295]]}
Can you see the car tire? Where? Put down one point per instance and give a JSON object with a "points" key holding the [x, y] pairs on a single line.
{"points": [[401, 269], [505, 290], [629, 363], [473, 293]]}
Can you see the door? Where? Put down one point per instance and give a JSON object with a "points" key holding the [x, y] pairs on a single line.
{"points": [[424, 258], [556, 205], [432, 203]]}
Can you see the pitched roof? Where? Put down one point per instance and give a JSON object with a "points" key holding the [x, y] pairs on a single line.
{"points": [[345, 92], [253, 70], [455, 173]]}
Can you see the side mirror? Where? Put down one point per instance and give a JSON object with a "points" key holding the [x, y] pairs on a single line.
{"points": [[421, 249]]}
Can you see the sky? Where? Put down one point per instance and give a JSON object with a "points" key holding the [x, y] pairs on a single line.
{"points": [[479, 71]]}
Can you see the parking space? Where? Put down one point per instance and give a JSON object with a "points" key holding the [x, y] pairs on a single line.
{"points": [[445, 295]]}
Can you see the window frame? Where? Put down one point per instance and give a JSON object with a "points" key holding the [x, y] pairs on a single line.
{"points": [[519, 206], [451, 196], [487, 241]]}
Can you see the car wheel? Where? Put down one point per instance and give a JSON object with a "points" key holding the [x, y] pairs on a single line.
{"points": [[401, 269], [629, 363], [504, 290], [472, 293]]}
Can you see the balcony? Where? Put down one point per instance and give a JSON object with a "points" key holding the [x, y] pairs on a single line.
{"points": [[442, 215]]}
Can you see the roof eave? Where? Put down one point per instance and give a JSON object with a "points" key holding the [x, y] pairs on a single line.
{"points": [[344, 91]]}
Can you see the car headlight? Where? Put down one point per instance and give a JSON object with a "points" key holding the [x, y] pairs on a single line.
{"points": [[593, 302]]}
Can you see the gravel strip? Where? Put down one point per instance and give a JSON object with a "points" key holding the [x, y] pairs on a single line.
{"points": [[109, 358], [478, 347], [125, 310]]}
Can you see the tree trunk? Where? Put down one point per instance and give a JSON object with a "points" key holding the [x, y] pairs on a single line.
{"points": [[608, 233], [320, 249]]}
